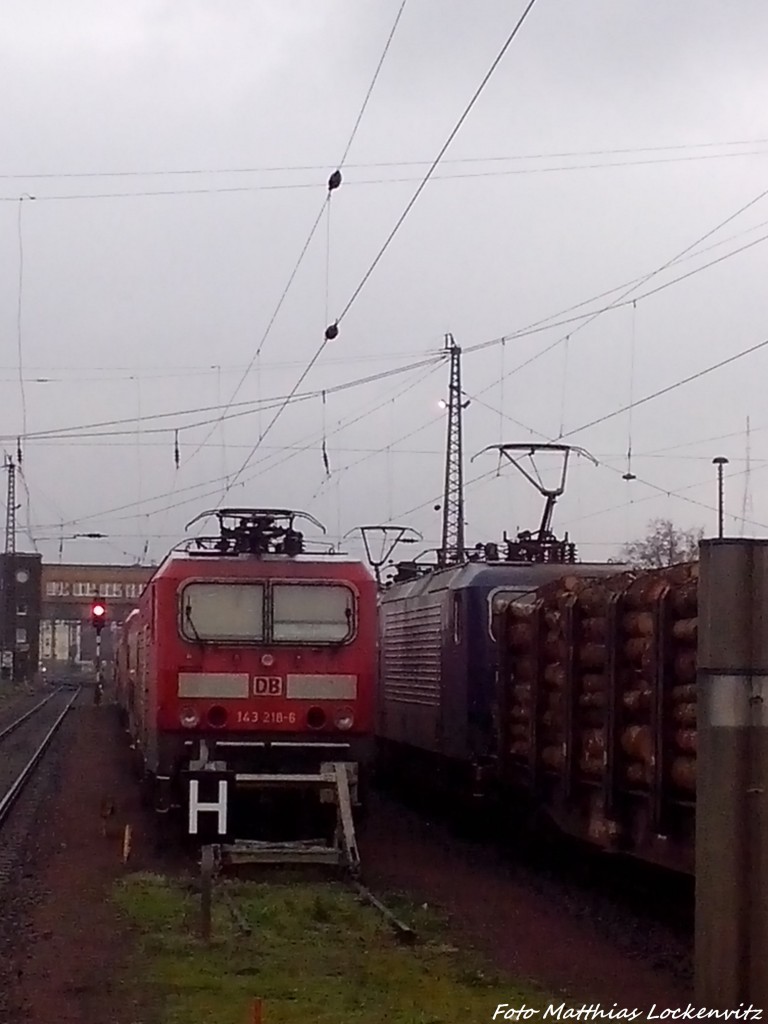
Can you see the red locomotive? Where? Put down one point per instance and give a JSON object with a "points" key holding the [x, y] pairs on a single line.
{"points": [[248, 659]]}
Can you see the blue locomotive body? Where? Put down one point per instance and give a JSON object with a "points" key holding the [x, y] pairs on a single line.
{"points": [[438, 694]]}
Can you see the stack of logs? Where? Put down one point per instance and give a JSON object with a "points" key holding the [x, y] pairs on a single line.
{"points": [[602, 635], [684, 607]]}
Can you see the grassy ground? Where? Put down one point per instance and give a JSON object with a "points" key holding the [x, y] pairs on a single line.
{"points": [[315, 954]]}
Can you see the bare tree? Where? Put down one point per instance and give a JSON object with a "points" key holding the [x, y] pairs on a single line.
{"points": [[663, 545]]}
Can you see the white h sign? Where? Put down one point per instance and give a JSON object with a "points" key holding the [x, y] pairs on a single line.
{"points": [[195, 806]]}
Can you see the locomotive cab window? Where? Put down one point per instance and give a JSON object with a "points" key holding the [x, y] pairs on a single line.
{"points": [[222, 611], [312, 613], [456, 611]]}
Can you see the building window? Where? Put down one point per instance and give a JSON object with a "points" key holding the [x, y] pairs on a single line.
{"points": [[21, 608], [21, 636]]}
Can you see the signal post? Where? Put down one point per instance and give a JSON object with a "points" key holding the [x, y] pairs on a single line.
{"points": [[98, 621], [732, 776]]}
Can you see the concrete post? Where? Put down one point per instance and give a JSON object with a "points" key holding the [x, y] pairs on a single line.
{"points": [[732, 776]]}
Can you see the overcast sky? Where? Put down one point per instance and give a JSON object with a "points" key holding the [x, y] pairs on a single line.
{"points": [[233, 114]]}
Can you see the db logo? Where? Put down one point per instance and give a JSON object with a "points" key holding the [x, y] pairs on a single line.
{"points": [[267, 686]]}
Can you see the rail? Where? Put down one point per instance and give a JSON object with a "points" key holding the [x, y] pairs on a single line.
{"points": [[211, 866], [11, 796], [28, 714]]}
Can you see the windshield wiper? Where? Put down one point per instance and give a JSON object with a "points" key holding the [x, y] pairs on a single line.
{"points": [[193, 627]]}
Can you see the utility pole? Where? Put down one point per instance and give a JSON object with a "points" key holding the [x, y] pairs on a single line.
{"points": [[8, 663], [452, 546], [720, 461], [746, 503]]}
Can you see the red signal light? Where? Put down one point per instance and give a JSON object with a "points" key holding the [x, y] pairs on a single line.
{"points": [[98, 616]]}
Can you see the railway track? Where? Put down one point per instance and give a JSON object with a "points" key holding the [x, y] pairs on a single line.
{"points": [[210, 870], [24, 741]]}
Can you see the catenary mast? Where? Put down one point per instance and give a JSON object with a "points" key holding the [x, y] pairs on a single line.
{"points": [[452, 546]]}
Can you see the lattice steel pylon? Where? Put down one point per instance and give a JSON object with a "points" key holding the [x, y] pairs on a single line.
{"points": [[7, 659], [10, 512], [452, 545]]}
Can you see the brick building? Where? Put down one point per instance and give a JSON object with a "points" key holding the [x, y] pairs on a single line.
{"points": [[20, 594], [66, 636]]}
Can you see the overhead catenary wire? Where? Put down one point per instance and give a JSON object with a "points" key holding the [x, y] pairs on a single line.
{"points": [[670, 387], [422, 185], [258, 169], [631, 398], [333, 183], [20, 360], [362, 182], [618, 457], [19, 316], [436, 362], [656, 394], [197, 370], [657, 452], [376, 73], [657, 488], [270, 403], [583, 320], [555, 320], [667, 284], [629, 475], [212, 493], [165, 172], [547, 323], [563, 392], [332, 329], [269, 326], [391, 444], [676, 493], [542, 326], [293, 450]]}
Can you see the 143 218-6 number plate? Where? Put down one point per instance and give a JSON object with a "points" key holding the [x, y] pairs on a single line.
{"points": [[266, 717], [267, 686]]}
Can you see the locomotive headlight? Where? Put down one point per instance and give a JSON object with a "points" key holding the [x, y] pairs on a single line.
{"points": [[344, 719], [189, 718]]}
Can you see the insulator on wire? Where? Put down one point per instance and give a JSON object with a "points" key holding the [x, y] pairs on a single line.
{"points": [[176, 449], [331, 332], [334, 181], [326, 461], [18, 450]]}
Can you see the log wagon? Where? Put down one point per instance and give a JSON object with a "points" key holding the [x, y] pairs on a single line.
{"points": [[597, 708]]}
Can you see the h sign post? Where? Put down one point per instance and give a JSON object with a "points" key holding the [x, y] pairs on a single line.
{"points": [[198, 806]]}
